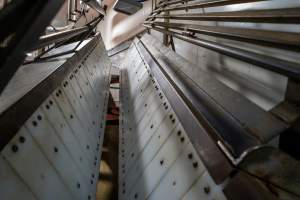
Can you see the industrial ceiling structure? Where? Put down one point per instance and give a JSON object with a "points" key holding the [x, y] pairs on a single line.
{"points": [[208, 99]]}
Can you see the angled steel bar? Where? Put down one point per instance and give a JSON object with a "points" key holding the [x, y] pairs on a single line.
{"points": [[86, 33], [58, 37]]}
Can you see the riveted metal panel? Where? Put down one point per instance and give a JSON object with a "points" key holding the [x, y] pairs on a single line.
{"points": [[73, 120], [71, 141], [204, 188], [154, 147], [34, 168], [12, 186], [56, 154], [180, 177]]}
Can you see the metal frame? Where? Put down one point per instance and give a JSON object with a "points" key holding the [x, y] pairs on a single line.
{"points": [[25, 22], [32, 100], [164, 6], [202, 120], [189, 32], [60, 36], [284, 16], [255, 178], [276, 39]]}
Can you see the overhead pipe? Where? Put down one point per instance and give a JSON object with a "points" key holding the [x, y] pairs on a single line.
{"points": [[283, 67]]}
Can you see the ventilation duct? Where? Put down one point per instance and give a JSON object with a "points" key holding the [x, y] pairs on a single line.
{"points": [[128, 7]]}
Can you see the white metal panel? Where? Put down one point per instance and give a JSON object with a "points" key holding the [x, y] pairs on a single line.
{"points": [[81, 113], [82, 103], [205, 188], [148, 127], [73, 120], [149, 110], [147, 154], [154, 160], [141, 106], [159, 166], [87, 89], [57, 154], [180, 177], [141, 138], [137, 85], [34, 168], [87, 93], [143, 90], [71, 141], [94, 86], [11, 185], [156, 111]]}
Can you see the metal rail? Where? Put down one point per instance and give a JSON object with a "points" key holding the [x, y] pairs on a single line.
{"points": [[283, 67], [214, 3], [283, 40], [58, 37], [64, 35], [168, 2], [282, 16]]}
